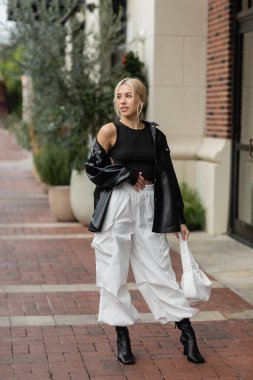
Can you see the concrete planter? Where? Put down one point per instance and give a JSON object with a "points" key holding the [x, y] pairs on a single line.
{"points": [[59, 201], [81, 196]]}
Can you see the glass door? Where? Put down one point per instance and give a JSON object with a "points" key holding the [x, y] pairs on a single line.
{"points": [[243, 146], [245, 209]]}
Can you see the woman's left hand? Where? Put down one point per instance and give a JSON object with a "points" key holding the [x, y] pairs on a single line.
{"points": [[184, 231]]}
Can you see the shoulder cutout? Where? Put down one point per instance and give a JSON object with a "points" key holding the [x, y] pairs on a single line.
{"points": [[106, 136]]}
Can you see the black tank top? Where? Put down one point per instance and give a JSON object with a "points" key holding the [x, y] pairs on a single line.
{"points": [[134, 148]]}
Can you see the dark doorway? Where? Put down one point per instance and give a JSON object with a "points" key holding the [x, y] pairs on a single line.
{"points": [[241, 222]]}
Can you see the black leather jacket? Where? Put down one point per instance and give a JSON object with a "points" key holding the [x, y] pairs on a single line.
{"points": [[168, 210]]}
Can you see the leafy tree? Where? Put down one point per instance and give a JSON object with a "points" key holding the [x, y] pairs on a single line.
{"points": [[68, 102], [70, 67], [132, 66]]}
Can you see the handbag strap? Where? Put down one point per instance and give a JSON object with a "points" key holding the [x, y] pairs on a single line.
{"points": [[185, 254]]}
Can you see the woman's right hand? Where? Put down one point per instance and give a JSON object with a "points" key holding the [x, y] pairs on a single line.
{"points": [[140, 184]]}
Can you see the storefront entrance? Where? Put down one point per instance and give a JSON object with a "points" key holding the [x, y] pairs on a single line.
{"points": [[241, 222]]}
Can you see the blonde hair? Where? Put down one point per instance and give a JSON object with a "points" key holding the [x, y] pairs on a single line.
{"points": [[139, 90]]}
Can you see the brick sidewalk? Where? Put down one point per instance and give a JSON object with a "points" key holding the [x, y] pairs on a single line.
{"points": [[49, 302]]}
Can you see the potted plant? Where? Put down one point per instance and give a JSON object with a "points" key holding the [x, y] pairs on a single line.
{"points": [[81, 196], [54, 165]]}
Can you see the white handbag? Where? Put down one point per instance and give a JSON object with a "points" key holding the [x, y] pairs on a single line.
{"points": [[195, 285]]}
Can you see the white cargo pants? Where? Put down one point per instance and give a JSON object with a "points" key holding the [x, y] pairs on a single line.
{"points": [[127, 237]]}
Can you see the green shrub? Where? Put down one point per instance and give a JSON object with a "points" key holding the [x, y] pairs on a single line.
{"points": [[54, 164], [193, 208], [79, 157], [132, 66]]}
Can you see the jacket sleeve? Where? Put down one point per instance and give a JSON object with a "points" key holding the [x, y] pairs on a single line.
{"points": [[180, 203], [173, 177], [104, 174]]}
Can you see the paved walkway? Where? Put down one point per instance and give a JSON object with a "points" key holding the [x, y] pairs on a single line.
{"points": [[49, 302]]}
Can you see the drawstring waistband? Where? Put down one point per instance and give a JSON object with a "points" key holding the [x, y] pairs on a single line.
{"points": [[130, 188]]}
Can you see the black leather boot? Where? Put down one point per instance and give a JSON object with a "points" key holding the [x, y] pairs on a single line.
{"points": [[125, 354], [188, 340]]}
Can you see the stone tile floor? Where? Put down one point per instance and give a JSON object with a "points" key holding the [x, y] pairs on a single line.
{"points": [[48, 302]]}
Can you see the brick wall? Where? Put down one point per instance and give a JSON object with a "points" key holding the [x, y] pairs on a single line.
{"points": [[220, 56]]}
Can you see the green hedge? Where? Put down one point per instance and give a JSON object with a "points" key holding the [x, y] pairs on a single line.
{"points": [[54, 164], [194, 211]]}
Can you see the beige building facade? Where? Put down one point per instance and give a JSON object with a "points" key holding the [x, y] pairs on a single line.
{"points": [[198, 55], [171, 38]]}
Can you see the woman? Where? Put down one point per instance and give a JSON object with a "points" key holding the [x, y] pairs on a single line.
{"points": [[137, 201]]}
